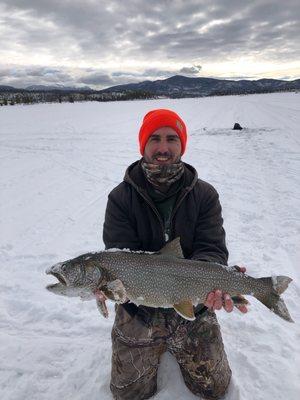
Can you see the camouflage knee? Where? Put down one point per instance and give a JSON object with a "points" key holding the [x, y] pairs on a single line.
{"points": [[199, 350], [136, 350], [142, 389], [134, 370], [210, 385]]}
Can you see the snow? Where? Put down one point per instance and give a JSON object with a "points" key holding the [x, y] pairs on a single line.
{"points": [[58, 164], [116, 250]]}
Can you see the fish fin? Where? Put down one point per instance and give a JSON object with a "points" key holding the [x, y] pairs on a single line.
{"points": [[107, 293], [280, 283], [239, 300], [185, 309], [272, 300], [117, 290], [173, 248], [101, 304]]}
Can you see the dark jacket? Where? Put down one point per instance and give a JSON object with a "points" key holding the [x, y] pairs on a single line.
{"points": [[132, 220]]}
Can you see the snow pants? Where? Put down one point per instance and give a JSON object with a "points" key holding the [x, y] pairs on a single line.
{"points": [[138, 342]]}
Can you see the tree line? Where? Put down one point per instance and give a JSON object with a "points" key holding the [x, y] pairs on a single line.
{"points": [[58, 96]]}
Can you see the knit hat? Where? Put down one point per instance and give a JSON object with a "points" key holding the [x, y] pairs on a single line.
{"points": [[159, 118]]}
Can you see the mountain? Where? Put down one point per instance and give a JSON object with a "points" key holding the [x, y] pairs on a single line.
{"points": [[45, 88], [4, 88], [182, 86], [174, 87]]}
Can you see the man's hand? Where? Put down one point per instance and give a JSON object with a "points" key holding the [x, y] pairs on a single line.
{"points": [[217, 299]]}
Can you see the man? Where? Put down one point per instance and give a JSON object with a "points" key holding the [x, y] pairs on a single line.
{"points": [[161, 198]]}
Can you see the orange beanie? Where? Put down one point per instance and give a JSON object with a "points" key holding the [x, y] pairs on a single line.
{"points": [[159, 118]]}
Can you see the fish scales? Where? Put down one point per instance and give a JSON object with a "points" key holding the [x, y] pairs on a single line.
{"points": [[162, 279], [177, 279]]}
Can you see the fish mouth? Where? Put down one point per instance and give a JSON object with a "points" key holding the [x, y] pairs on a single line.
{"points": [[60, 278], [55, 271], [55, 286]]}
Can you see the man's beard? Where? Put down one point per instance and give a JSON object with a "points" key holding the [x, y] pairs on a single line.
{"points": [[162, 175]]}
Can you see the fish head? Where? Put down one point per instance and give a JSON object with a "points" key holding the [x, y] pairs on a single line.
{"points": [[80, 272]]}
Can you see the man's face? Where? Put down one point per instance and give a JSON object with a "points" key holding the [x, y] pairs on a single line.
{"points": [[163, 147]]}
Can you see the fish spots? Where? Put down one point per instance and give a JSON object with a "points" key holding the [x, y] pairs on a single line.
{"points": [[159, 280]]}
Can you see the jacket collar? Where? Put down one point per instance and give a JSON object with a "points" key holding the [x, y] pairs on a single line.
{"points": [[134, 175]]}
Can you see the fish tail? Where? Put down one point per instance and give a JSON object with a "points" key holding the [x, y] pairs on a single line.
{"points": [[272, 300]]}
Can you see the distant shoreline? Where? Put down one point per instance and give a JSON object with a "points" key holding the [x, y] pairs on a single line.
{"points": [[26, 97]]}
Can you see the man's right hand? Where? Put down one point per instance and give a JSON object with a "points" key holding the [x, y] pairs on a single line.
{"points": [[217, 299]]}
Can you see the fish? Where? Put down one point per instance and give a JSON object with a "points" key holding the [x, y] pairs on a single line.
{"points": [[162, 279]]}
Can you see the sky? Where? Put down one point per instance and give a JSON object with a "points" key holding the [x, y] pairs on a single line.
{"points": [[101, 43]]}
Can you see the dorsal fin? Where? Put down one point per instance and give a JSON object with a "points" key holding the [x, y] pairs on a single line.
{"points": [[173, 248]]}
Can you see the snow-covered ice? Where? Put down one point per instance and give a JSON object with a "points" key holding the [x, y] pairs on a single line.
{"points": [[59, 162]]}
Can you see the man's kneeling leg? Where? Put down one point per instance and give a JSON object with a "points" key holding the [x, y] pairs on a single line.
{"points": [[202, 358], [134, 371]]}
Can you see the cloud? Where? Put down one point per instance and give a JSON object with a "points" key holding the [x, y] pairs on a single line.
{"points": [[97, 79], [30, 75], [137, 36], [154, 73], [194, 70]]}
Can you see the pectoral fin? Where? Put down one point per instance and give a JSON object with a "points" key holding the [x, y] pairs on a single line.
{"points": [[101, 304], [185, 309], [117, 291]]}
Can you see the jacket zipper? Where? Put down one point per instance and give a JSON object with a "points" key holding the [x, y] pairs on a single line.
{"points": [[156, 213], [186, 191], [164, 233]]}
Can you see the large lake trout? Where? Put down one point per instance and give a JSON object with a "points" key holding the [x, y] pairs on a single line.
{"points": [[162, 279]]}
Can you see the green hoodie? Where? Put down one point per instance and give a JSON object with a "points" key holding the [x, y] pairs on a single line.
{"points": [[165, 202]]}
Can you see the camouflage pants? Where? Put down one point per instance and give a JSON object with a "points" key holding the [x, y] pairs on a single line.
{"points": [[137, 347]]}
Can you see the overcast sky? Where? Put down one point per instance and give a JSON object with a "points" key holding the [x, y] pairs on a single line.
{"points": [[102, 43]]}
